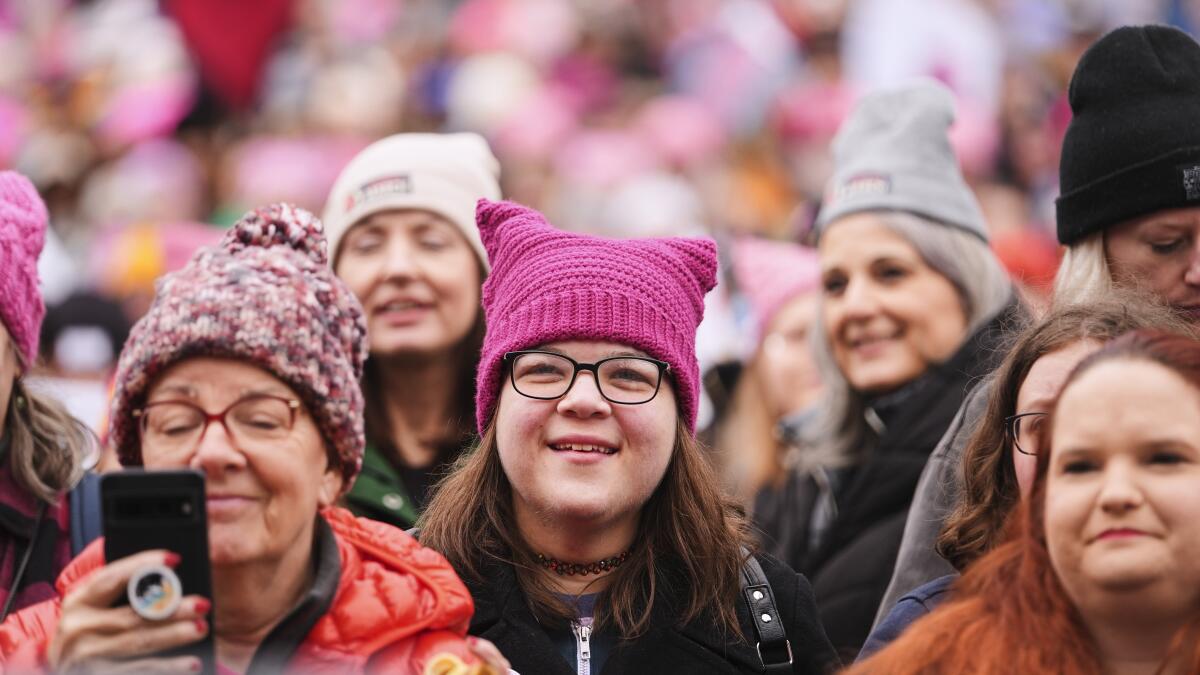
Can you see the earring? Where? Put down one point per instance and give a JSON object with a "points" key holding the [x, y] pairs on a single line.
{"points": [[19, 394]]}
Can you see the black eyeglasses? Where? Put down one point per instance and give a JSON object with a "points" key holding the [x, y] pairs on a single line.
{"points": [[1023, 430], [627, 380]]}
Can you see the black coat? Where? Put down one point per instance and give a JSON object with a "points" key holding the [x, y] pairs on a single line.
{"points": [[852, 562], [502, 615]]}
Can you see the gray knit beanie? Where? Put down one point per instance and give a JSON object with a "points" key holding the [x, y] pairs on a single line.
{"points": [[893, 154]]}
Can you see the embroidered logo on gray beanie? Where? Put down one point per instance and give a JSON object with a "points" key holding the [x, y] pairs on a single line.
{"points": [[893, 154]]}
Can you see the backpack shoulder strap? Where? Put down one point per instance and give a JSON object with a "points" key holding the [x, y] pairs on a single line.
{"points": [[774, 649], [86, 517]]}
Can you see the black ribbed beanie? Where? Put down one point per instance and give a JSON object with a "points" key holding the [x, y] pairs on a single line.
{"points": [[1133, 145]]}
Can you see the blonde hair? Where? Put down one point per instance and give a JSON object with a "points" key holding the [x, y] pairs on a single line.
{"points": [[843, 433], [1083, 275]]}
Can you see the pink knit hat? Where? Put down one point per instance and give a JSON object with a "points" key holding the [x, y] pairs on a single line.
{"points": [[264, 295], [770, 273], [22, 234], [547, 285]]}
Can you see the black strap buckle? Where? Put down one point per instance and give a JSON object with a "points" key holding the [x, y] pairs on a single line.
{"points": [[765, 617], [774, 663]]}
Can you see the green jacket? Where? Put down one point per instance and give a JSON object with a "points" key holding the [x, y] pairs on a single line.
{"points": [[379, 492]]}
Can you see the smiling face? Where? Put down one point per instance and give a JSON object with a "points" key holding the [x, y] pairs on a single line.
{"points": [[417, 278], [581, 459], [1160, 252], [1122, 505], [888, 315], [262, 497]]}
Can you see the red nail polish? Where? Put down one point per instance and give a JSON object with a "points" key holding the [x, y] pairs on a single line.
{"points": [[202, 606], [195, 666], [201, 626], [171, 559]]}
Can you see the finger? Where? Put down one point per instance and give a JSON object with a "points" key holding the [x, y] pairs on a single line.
{"points": [[122, 619], [489, 653], [178, 664], [109, 582], [151, 639]]}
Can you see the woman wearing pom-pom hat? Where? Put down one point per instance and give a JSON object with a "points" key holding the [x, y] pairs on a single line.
{"points": [[246, 369]]}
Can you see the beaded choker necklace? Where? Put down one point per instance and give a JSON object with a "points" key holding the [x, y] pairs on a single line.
{"points": [[571, 569]]}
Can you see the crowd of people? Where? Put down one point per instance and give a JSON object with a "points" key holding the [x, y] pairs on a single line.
{"points": [[465, 421]]}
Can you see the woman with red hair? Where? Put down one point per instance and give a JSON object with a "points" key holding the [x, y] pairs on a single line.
{"points": [[1101, 570]]}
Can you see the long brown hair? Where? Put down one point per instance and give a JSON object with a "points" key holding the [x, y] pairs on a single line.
{"points": [[462, 409], [690, 538], [1009, 612], [990, 490], [46, 444]]}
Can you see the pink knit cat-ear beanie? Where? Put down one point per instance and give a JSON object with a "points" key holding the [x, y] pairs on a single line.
{"points": [[22, 235], [547, 285]]}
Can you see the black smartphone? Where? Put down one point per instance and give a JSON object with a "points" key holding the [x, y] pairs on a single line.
{"points": [[146, 510]]}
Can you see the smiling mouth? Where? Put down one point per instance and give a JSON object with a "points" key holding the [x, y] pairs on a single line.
{"points": [[400, 306], [575, 447], [870, 341], [1119, 533]]}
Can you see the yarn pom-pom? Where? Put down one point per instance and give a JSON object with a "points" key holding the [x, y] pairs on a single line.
{"points": [[279, 225]]}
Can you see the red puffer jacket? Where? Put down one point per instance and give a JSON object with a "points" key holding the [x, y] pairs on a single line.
{"points": [[397, 606]]}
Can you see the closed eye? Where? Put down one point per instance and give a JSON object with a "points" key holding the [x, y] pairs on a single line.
{"points": [[1166, 248]]}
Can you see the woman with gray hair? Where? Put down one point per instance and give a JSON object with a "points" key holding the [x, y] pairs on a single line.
{"points": [[913, 306]]}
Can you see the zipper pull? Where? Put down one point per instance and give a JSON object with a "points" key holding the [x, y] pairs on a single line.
{"points": [[585, 642]]}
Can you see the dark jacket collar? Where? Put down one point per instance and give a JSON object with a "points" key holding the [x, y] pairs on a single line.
{"points": [[285, 639], [917, 414], [501, 610]]}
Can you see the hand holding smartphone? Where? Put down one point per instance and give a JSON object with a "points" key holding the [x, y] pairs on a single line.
{"points": [[147, 510]]}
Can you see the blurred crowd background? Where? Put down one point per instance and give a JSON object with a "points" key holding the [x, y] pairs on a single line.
{"points": [[148, 126]]}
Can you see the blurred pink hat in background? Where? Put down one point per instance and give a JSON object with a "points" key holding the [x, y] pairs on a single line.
{"points": [[146, 110], [301, 171], [975, 137], [480, 26], [812, 111], [355, 22], [770, 273], [538, 127], [14, 120], [602, 157], [682, 130], [156, 180]]}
